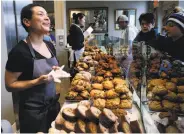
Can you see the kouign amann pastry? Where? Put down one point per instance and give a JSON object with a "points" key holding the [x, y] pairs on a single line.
{"points": [[97, 86], [108, 84], [121, 89], [125, 104], [170, 96], [180, 89], [99, 103], [112, 103], [180, 97], [159, 90], [107, 118], [97, 94], [117, 81], [168, 105], [170, 86], [155, 106], [110, 94]]}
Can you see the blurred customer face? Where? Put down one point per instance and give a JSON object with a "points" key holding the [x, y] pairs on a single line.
{"points": [[82, 21], [146, 27], [123, 24], [173, 30]]}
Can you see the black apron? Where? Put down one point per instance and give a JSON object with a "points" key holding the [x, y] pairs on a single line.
{"points": [[39, 105]]}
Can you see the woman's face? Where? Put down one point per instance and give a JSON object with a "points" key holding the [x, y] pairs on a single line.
{"points": [[82, 21], [172, 29], [146, 27], [40, 22]]}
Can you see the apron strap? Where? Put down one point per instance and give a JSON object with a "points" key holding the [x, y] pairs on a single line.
{"points": [[31, 48]]}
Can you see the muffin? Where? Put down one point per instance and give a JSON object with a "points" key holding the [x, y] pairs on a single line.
{"points": [[110, 94], [171, 96], [97, 86], [180, 89], [112, 103], [117, 81], [99, 103], [155, 106], [170, 86], [99, 79], [125, 104], [121, 89], [168, 105], [97, 94], [108, 84], [159, 90], [180, 97]]}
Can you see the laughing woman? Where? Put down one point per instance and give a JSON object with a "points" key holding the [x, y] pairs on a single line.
{"points": [[27, 67]]}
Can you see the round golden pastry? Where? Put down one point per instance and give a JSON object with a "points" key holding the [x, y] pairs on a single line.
{"points": [[99, 79], [108, 74], [97, 94], [85, 94], [160, 90], [155, 82], [97, 86], [168, 105], [170, 86], [112, 103], [121, 88], [180, 89], [110, 94], [117, 81], [99, 103], [108, 84], [155, 106], [125, 104]]}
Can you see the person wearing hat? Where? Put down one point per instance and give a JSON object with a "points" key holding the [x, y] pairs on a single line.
{"points": [[174, 43], [128, 32], [147, 33]]}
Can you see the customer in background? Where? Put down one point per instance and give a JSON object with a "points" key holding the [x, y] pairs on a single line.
{"points": [[147, 33], [174, 43], [128, 32], [76, 37], [27, 69]]}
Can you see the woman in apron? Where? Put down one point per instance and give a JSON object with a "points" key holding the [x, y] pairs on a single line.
{"points": [[27, 68]]}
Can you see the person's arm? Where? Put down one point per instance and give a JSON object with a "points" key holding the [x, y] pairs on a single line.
{"points": [[14, 85]]}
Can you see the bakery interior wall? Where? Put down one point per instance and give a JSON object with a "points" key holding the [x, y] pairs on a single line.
{"points": [[141, 6]]}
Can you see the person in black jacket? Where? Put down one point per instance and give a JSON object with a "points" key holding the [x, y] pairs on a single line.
{"points": [[174, 43], [147, 32], [76, 37]]}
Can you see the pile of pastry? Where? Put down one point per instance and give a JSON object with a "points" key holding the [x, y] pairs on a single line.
{"points": [[165, 95], [85, 118], [169, 122], [80, 87]]}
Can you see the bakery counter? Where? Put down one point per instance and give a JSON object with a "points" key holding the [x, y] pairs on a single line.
{"points": [[82, 117]]}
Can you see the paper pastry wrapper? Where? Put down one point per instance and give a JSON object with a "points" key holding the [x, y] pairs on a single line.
{"points": [[57, 74]]}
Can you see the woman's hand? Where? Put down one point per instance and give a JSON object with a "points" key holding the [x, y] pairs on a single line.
{"points": [[56, 68], [44, 79]]}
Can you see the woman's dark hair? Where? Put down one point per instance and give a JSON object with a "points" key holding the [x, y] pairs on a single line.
{"points": [[76, 16], [148, 17], [27, 13]]}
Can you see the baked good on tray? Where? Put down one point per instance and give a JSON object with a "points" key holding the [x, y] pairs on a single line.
{"points": [[81, 112], [119, 112], [112, 103], [159, 90], [171, 96], [85, 94], [164, 114], [71, 95], [91, 127], [99, 103], [110, 94], [108, 84], [80, 126], [168, 105], [121, 88], [180, 97], [97, 86], [93, 114], [69, 126], [125, 104], [155, 106], [124, 126], [117, 81], [107, 118], [69, 114], [180, 89], [97, 94], [171, 86]]}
